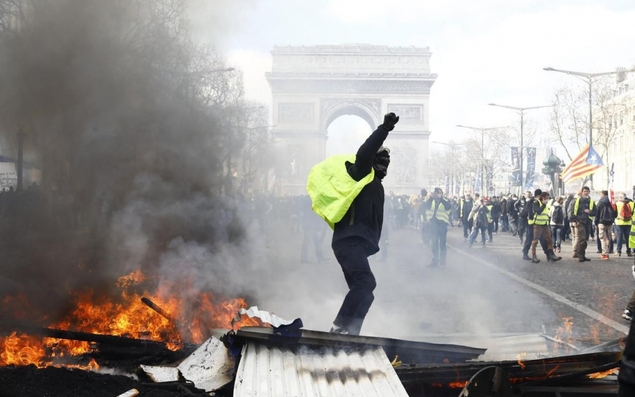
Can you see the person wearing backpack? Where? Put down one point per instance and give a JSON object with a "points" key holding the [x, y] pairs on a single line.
{"points": [[623, 222], [556, 214], [605, 219]]}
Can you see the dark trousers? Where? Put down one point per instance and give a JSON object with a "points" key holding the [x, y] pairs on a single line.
{"points": [[490, 229], [529, 237], [505, 223], [351, 253], [467, 227], [495, 220], [556, 234], [623, 231], [438, 234]]}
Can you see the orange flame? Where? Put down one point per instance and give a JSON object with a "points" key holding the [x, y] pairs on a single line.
{"points": [[520, 358], [128, 316], [600, 375]]}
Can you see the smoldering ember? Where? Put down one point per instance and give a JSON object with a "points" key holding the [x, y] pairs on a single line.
{"points": [[213, 198]]}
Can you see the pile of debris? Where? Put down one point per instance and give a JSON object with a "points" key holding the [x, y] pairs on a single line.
{"points": [[284, 359]]}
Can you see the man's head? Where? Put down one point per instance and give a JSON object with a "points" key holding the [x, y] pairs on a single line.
{"points": [[621, 197], [544, 197], [528, 194], [424, 192], [468, 196], [585, 191], [438, 193], [477, 196], [537, 193], [604, 193], [381, 162]]}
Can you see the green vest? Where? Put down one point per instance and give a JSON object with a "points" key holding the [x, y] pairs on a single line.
{"points": [[542, 219], [622, 222], [489, 213], [576, 206], [631, 237], [331, 188], [442, 214]]}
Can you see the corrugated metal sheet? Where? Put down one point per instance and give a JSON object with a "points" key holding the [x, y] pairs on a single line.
{"points": [[267, 370]]}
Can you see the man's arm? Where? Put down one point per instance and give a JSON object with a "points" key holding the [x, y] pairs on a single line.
{"points": [[366, 152], [593, 211]]}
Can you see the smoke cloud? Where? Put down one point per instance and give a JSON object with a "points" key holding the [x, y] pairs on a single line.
{"points": [[123, 114]]}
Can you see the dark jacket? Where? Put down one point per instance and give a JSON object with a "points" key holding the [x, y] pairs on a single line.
{"points": [[466, 208], [581, 216], [364, 219], [604, 204]]}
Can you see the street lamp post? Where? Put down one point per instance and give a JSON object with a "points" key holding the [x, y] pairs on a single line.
{"points": [[482, 130], [521, 112], [588, 78]]}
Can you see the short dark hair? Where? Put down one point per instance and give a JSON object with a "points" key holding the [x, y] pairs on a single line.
{"points": [[604, 192], [586, 188]]}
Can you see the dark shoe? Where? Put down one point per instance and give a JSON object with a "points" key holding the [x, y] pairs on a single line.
{"points": [[553, 258], [629, 254], [535, 259], [582, 259], [619, 254], [526, 258]]}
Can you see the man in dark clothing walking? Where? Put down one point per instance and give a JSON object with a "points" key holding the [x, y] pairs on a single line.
{"points": [[465, 207], [530, 216], [356, 236], [581, 211]]}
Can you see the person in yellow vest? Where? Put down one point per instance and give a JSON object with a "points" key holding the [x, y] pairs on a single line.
{"points": [[581, 213], [625, 210], [355, 190], [630, 308], [541, 226], [438, 210]]}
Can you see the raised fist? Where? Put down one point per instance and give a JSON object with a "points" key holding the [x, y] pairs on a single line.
{"points": [[390, 120]]}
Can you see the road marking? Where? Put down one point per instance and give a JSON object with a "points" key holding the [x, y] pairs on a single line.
{"points": [[589, 312]]}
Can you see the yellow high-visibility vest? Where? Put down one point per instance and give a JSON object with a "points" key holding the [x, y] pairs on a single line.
{"points": [[489, 213], [622, 222], [442, 214], [576, 206], [331, 188], [631, 237], [542, 219]]}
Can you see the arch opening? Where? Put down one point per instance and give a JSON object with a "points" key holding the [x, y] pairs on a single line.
{"points": [[345, 133]]}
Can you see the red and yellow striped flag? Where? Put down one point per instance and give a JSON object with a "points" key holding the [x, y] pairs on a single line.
{"points": [[584, 163]]}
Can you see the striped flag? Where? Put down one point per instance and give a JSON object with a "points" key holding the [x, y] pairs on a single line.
{"points": [[585, 163]]}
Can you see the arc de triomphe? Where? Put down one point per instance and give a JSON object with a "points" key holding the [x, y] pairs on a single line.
{"points": [[312, 86]]}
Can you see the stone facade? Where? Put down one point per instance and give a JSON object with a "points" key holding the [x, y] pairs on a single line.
{"points": [[313, 86]]}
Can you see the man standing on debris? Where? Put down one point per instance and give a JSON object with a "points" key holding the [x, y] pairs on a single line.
{"points": [[438, 210], [356, 234]]}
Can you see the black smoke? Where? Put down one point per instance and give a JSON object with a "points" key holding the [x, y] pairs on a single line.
{"points": [[123, 114]]}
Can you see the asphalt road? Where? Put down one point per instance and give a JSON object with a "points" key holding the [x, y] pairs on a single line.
{"points": [[488, 291]]}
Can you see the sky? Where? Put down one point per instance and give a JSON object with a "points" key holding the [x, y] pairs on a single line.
{"points": [[482, 51]]}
